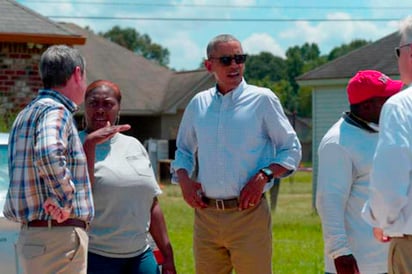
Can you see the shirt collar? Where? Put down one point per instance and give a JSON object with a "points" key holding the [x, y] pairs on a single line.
{"points": [[69, 104], [234, 93], [357, 122]]}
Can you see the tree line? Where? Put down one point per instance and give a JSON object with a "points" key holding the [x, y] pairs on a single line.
{"points": [[263, 69]]}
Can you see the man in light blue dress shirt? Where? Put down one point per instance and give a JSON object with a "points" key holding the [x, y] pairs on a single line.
{"points": [[242, 140]]}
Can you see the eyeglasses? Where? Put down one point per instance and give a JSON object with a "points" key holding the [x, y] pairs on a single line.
{"points": [[227, 60], [398, 49]]}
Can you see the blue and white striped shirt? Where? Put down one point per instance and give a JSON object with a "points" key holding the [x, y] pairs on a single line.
{"points": [[46, 159], [234, 135]]}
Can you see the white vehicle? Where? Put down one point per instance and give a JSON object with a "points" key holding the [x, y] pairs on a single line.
{"points": [[9, 231]]}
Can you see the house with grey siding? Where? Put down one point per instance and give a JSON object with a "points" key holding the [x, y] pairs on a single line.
{"points": [[328, 83]]}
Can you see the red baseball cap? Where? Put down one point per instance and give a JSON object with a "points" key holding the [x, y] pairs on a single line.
{"points": [[367, 84]]}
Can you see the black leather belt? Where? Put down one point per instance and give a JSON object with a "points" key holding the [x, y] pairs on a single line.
{"points": [[54, 223], [221, 204]]}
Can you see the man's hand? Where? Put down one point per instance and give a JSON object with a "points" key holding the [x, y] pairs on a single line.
{"points": [[192, 193], [346, 265], [252, 191], [55, 211], [191, 190], [380, 236]]}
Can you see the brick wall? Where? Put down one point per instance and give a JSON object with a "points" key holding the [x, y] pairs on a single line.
{"points": [[19, 76]]}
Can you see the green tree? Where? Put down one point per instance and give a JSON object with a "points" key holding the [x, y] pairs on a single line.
{"points": [[346, 48], [138, 43], [7, 118], [265, 65], [301, 59], [304, 102], [294, 66]]}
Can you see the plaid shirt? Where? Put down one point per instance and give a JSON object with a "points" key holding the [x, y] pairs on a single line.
{"points": [[46, 159]]}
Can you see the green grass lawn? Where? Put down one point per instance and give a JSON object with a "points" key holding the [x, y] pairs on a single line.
{"points": [[297, 237]]}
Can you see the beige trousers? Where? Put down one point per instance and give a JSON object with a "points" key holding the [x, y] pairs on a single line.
{"points": [[400, 255], [224, 240], [51, 251]]}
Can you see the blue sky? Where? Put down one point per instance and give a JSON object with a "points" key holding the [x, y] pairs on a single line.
{"points": [[187, 40]]}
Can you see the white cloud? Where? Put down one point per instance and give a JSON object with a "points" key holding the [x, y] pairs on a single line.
{"points": [[186, 40], [184, 53], [331, 34], [259, 42], [62, 8], [229, 2], [243, 2]]}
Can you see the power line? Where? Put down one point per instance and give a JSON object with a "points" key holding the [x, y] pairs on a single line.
{"points": [[393, 7], [225, 19]]}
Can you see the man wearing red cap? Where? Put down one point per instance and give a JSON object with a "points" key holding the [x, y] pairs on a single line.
{"points": [[389, 206], [345, 159]]}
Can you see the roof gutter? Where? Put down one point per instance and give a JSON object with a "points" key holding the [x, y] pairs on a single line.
{"points": [[322, 82], [42, 38]]}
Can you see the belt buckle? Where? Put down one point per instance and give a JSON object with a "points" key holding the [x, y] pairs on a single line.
{"points": [[220, 204]]}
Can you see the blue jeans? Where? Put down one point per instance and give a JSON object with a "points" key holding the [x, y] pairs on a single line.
{"points": [[145, 263]]}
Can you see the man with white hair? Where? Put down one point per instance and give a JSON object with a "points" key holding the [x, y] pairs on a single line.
{"points": [[389, 207]]}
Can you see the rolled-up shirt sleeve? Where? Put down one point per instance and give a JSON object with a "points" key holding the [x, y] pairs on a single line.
{"points": [[286, 145], [186, 143]]}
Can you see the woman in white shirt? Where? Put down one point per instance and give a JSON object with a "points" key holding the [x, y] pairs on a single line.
{"points": [[124, 190]]}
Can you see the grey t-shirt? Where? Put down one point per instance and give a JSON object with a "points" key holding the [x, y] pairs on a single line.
{"points": [[123, 193]]}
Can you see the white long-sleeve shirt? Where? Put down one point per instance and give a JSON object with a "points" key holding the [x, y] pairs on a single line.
{"points": [[345, 160], [390, 199]]}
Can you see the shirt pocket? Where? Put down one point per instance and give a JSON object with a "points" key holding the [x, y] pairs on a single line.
{"points": [[140, 165]]}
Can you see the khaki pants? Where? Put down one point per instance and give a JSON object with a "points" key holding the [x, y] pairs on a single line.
{"points": [[52, 251], [227, 239], [400, 255]]}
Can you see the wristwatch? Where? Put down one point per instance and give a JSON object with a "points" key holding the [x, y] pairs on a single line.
{"points": [[267, 172]]}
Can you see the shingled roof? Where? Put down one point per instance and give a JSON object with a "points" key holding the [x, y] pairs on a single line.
{"points": [[19, 24], [378, 55], [183, 86], [142, 82], [147, 87]]}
